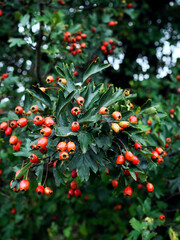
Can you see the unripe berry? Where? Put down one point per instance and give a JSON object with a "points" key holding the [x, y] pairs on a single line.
{"points": [[126, 92], [129, 156], [75, 126], [42, 142], [18, 110], [133, 119], [120, 159], [71, 147], [73, 185], [3, 126], [48, 191], [34, 109], [8, 131], [115, 127], [155, 155], [62, 80], [40, 190], [13, 124], [128, 191], [22, 122], [38, 120], [103, 111], [49, 122], [124, 124], [45, 132], [162, 217], [24, 185], [135, 160], [77, 192], [49, 79], [63, 155], [137, 146], [34, 158], [62, 146], [75, 111], [13, 140], [115, 183], [80, 100], [74, 174], [117, 115], [150, 187]]}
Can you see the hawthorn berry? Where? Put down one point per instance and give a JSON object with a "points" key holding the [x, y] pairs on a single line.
{"points": [[62, 146], [103, 111], [115, 183], [75, 126], [83, 45], [172, 110], [83, 35], [45, 132], [14, 188], [38, 120], [133, 119], [117, 207], [93, 29], [73, 185], [3, 126], [160, 160], [124, 124], [112, 23], [62, 80], [22, 122], [162, 217], [126, 172], [48, 191], [168, 140], [34, 158], [13, 211], [150, 187], [49, 122], [74, 174], [80, 100], [117, 115], [140, 186], [43, 150], [75, 111], [18, 110], [110, 41], [63, 155], [120, 159], [13, 140], [13, 124], [129, 156], [137, 146], [76, 73], [42, 142], [17, 146], [40, 190], [128, 191], [149, 122], [115, 127], [155, 155], [135, 160], [77, 192], [1, 171], [126, 92], [8, 131], [129, 5], [159, 150], [71, 192], [34, 109], [71, 147], [49, 79], [164, 154], [24, 185]]}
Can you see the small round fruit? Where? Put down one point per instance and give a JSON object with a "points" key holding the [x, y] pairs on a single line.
{"points": [[40, 190], [71, 147], [22, 122], [74, 174], [49, 79], [159, 150], [34, 158], [75, 126], [128, 191], [48, 191], [117, 115], [137, 146], [150, 187], [126, 92], [38, 120], [75, 111], [3, 126], [103, 111], [126, 172], [160, 160], [42, 142], [8, 131], [43, 150], [124, 124], [62, 146], [155, 155], [168, 140], [63, 155], [18, 110], [24, 185], [46, 132], [71, 192], [140, 186], [162, 217], [133, 119], [13, 140], [17, 146], [129, 156], [115, 127], [13, 124], [149, 122], [115, 183], [73, 185], [80, 100], [83, 45], [120, 159], [49, 122], [77, 192], [62, 80], [13, 211], [34, 109], [135, 160]]}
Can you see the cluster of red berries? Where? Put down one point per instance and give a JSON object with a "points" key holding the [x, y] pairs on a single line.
{"points": [[158, 155], [75, 45], [168, 142], [51, 79], [74, 190], [4, 76], [108, 47]]}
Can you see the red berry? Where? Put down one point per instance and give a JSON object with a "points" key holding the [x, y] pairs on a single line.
{"points": [[34, 109], [78, 38], [13, 140], [17, 146], [3, 126], [1, 12], [137, 146], [93, 29], [49, 79], [13, 124], [74, 174], [77, 193], [117, 115], [34, 158], [48, 191], [42, 142], [110, 41], [76, 73], [17, 172], [115, 183], [129, 5], [8, 131], [62, 146], [71, 147], [71, 192], [162, 217], [22, 122], [63, 155], [150, 187], [120, 159], [40, 190], [38, 120], [126, 172], [83, 35], [112, 23], [140, 186], [49, 122], [80, 100], [155, 155], [103, 48], [128, 191], [135, 160], [19, 110], [24, 185], [13, 211], [172, 110], [159, 150], [105, 43], [117, 207], [75, 126], [45, 132], [149, 122], [75, 111], [133, 119], [129, 156], [103, 111], [86, 198], [160, 160], [83, 45], [73, 185]]}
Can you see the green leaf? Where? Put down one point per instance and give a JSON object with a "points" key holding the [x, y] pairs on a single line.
{"points": [[84, 139], [135, 224], [94, 68], [90, 116], [58, 176], [25, 19], [40, 96], [23, 170], [39, 173], [64, 132], [24, 151], [16, 42]]}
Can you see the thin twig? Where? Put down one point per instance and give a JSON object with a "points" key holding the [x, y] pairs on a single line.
{"points": [[122, 143]]}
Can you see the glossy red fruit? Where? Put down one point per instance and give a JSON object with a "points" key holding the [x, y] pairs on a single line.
{"points": [[63, 155], [172, 110], [103, 111], [78, 38], [159, 150], [133, 119], [93, 29], [128, 191], [24, 185], [74, 174], [22, 122], [34, 158], [115, 183], [140, 186], [3, 126], [34, 109], [83, 35], [86, 198], [120, 159], [34, 147], [17, 172], [75, 111], [162, 217], [13, 211], [117, 115], [13, 140], [42, 142], [40, 190], [124, 124], [71, 147], [164, 154], [110, 41], [168, 140], [112, 23], [48, 191], [71, 192], [75, 126], [8, 131], [45, 132], [43, 150], [80, 100], [129, 5], [73, 185], [13, 124], [137, 146], [49, 122], [18, 110], [76, 73], [49, 79], [77, 192], [17, 146], [62, 146], [149, 122], [160, 160], [62, 80], [135, 160], [38, 120], [129, 156], [83, 45], [150, 187], [155, 155]]}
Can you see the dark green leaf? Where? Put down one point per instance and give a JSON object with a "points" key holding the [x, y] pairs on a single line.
{"points": [[40, 96], [23, 170]]}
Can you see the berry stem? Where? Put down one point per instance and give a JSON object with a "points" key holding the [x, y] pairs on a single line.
{"points": [[122, 143], [118, 147]]}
